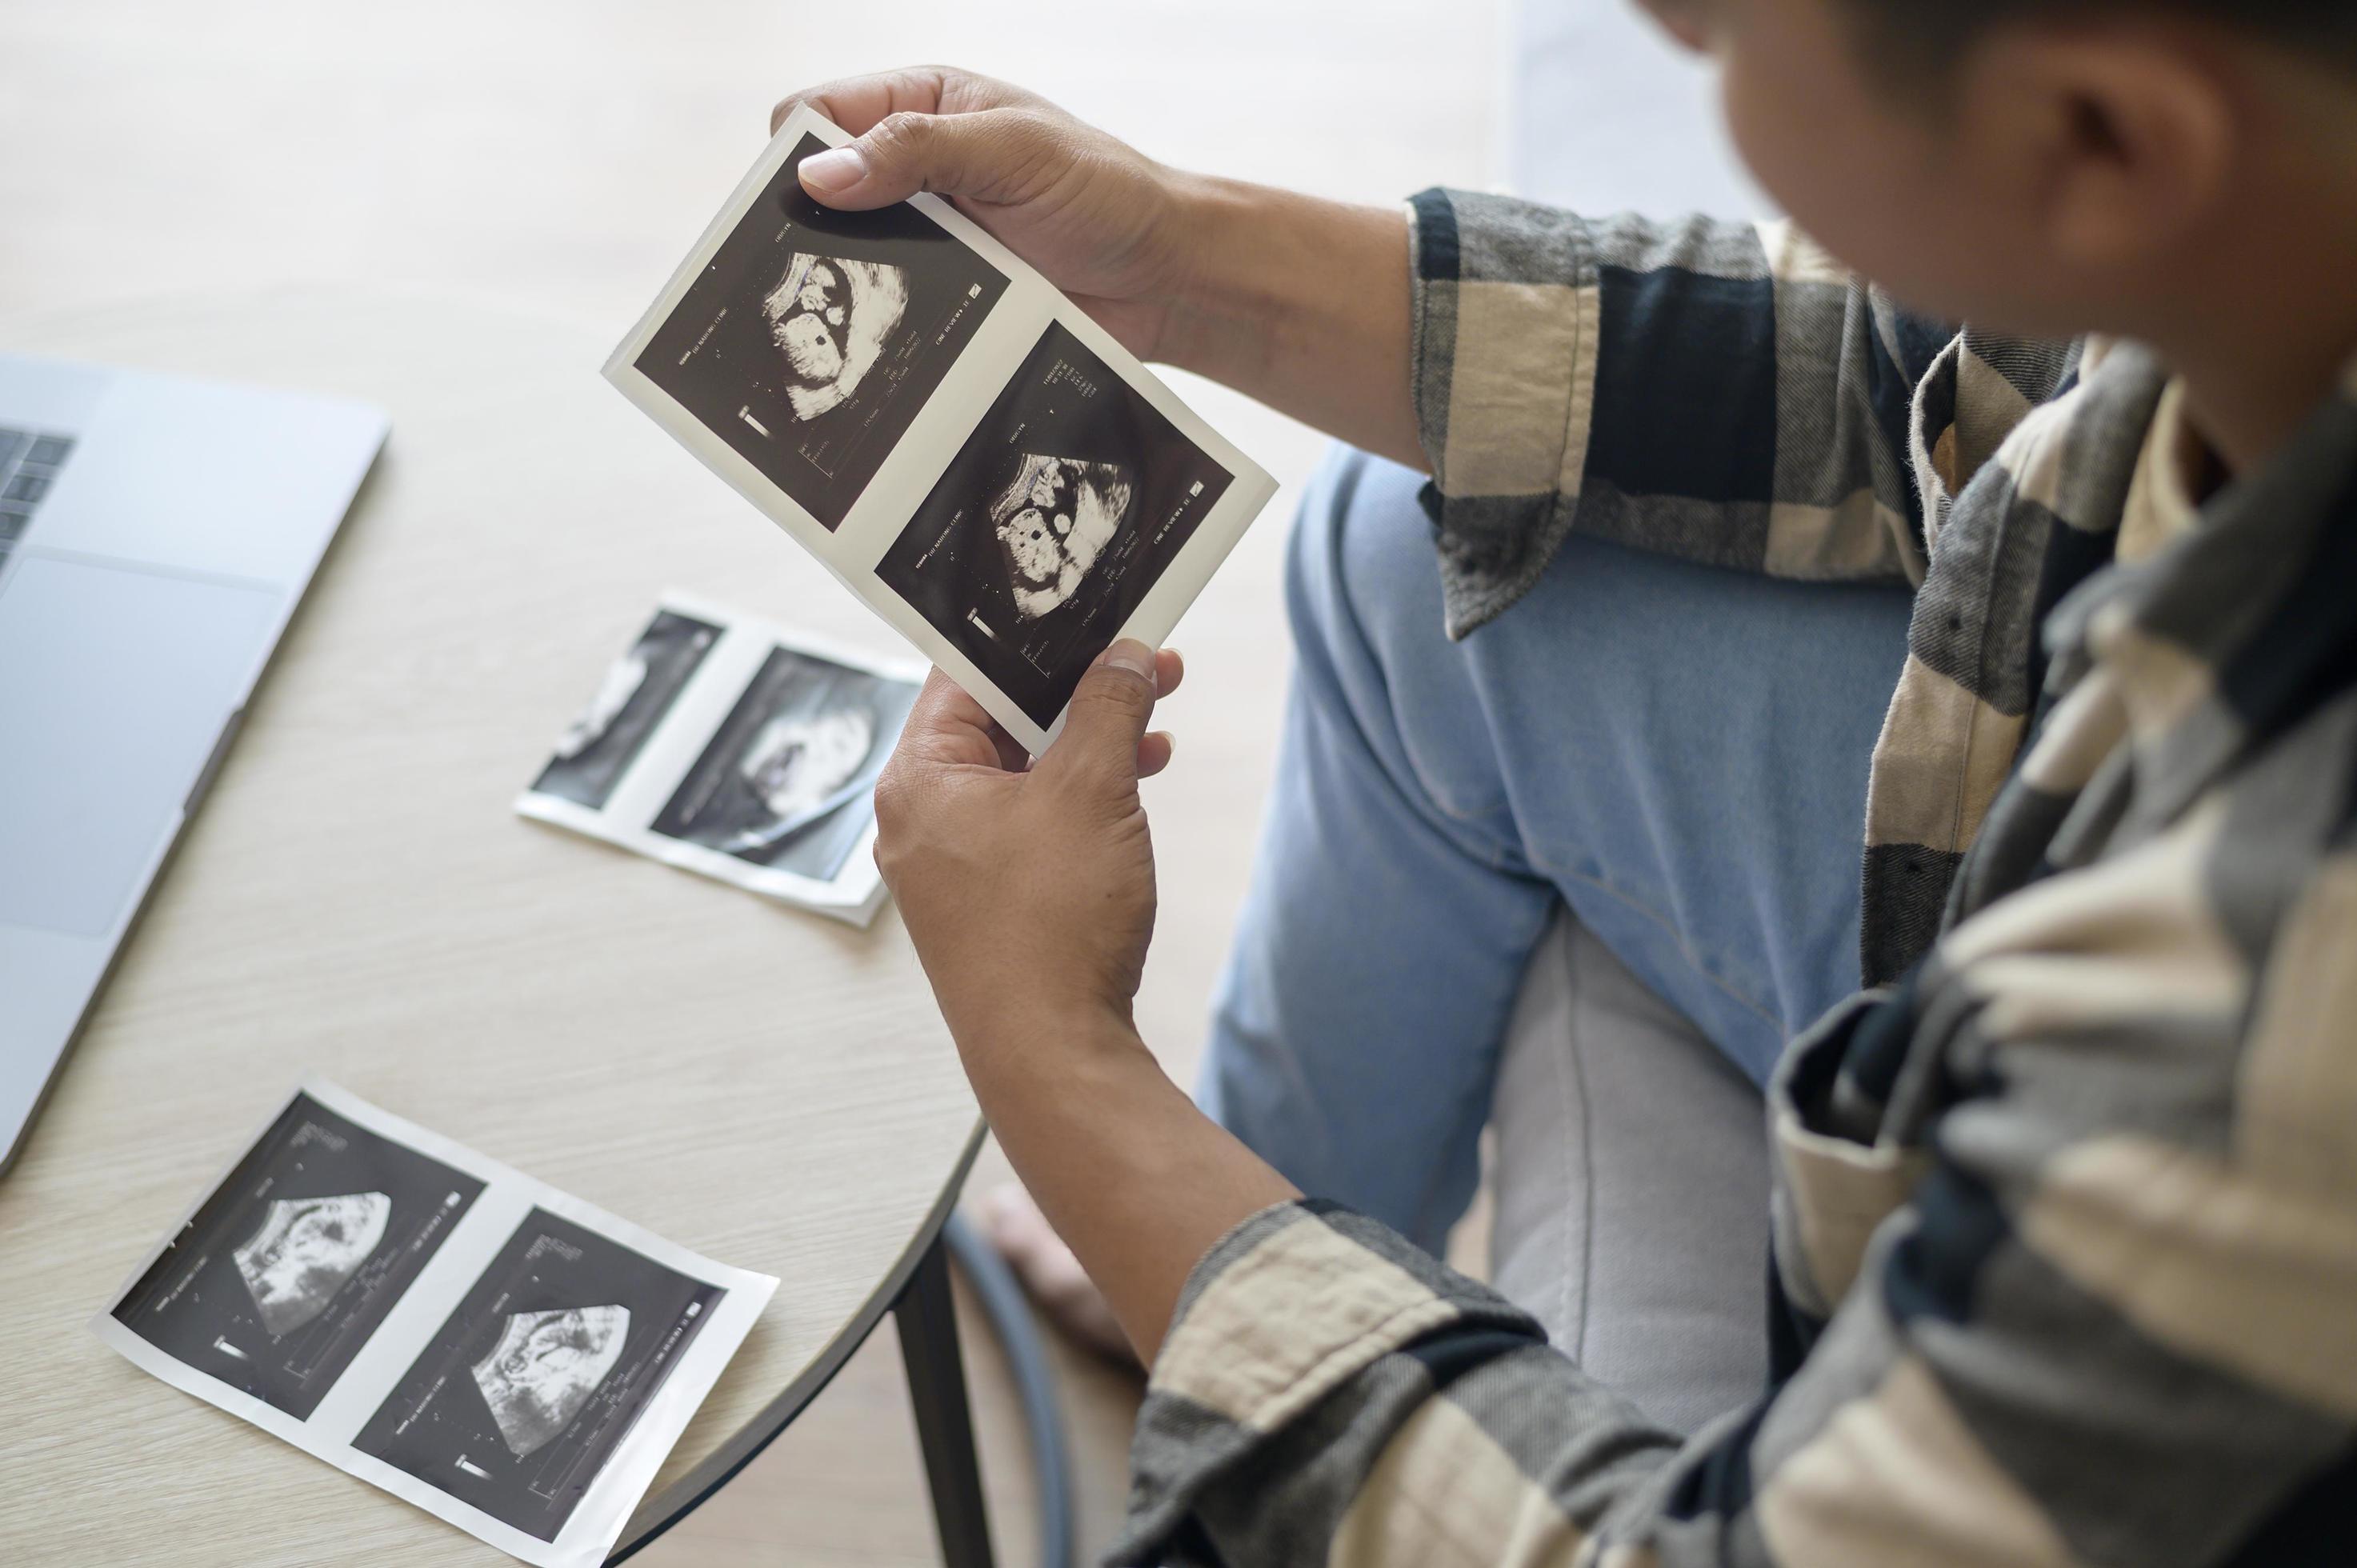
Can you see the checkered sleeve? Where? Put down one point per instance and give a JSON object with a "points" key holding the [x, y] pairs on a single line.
{"points": [[1721, 391], [2075, 1329]]}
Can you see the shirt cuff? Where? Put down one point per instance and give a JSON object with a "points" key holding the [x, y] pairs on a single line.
{"points": [[1504, 316], [1285, 1309]]}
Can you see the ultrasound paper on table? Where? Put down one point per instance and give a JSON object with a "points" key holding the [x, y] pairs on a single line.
{"points": [[497, 1352], [735, 748], [956, 440]]}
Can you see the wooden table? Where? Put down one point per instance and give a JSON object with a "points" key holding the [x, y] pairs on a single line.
{"points": [[357, 900]]}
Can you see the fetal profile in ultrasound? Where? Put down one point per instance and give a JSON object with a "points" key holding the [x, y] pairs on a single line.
{"points": [[812, 338], [1055, 521], [833, 317], [306, 1250], [789, 779], [637, 690], [1062, 510], [292, 1262], [545, 1366], [536, 1377]]}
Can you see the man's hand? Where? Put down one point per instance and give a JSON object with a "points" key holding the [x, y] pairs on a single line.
{"points": [[1030, 895], [1030, 898], [1097, 217], [1300, 302]]}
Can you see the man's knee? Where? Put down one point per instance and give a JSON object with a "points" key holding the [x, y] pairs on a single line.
{"points": [[1360, 574]]}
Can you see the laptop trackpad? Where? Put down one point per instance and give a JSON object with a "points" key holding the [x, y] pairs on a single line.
{"points": [[114, 683]]}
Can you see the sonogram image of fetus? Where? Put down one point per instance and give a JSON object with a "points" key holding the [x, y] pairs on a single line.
{"points": [[545, 1366], [305, 1250], [831, 319], [1054, 521], [623, 678], [799, 763]]}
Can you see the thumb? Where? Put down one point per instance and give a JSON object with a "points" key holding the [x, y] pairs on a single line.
{"points": [[1107, 717], [988, 155]]}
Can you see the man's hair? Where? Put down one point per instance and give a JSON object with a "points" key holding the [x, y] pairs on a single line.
{"points": [[1928, 32]]}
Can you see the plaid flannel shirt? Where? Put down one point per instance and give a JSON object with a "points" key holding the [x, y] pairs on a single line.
{"points": [[2065, 1203]]}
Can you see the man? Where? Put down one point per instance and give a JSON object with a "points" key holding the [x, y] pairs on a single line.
{"points": [[2066, 1209]]}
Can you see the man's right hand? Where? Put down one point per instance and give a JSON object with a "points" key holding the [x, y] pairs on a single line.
{"points": [[1098, 218]]}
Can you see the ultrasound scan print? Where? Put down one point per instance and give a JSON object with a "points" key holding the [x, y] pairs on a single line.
{"points": [[1055, 521], [308, 1250], [833, 317], [292, 1262], [531, 1383], [812, 338], [1062, 510], [789, 779], [545, 1366], [639, 689]]}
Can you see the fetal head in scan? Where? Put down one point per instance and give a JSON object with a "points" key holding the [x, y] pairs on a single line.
{"points": [[1054, 521], [833, 319], [305, 1250], [545, 1366]]}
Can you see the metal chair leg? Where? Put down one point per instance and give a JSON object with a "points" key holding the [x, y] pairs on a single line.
{"points": [[929, 1350]]}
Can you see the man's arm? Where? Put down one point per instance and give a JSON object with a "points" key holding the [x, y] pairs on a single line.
{"points": [[1299, 302], [1302, 303], [1717, 391], [1030, 895]]}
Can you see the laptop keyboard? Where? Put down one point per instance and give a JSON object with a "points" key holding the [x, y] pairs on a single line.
{"points": [[29, 461]]}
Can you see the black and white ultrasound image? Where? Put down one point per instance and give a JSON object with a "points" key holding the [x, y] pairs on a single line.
{"points": [[278, 1280], [813, 337], [1062, 510], [789, 779], [639, 689], [523, 1394]]}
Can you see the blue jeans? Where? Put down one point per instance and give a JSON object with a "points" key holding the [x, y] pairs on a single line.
{"points": [[1678, 753]]}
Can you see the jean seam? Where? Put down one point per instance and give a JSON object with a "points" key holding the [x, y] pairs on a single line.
{"points": [[1583, 1109]]}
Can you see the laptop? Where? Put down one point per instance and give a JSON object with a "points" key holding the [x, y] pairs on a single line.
{"points": [[155, 535]]}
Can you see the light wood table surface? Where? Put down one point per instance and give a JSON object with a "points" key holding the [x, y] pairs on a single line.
{"points": [[357, 900]]}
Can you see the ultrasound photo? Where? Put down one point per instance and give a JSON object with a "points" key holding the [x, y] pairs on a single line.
{"points": [[812, 337], [1063, 508], [524, 1392], [637, 690], [292, 1262], [788, 779]]}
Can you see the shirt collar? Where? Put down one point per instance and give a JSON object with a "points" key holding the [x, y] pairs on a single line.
{"points": [[2226, 618]]}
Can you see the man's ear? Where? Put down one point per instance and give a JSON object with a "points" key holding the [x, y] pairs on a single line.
{"points": [[2115, 139]]}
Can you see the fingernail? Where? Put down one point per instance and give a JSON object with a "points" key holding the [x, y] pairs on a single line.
{"points": [[836, 170], [1131, 655]]}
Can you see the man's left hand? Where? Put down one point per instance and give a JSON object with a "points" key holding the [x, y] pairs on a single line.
{"points": [[1028, 893]]}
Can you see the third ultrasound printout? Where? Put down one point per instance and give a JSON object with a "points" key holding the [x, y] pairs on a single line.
{"points": [[538, 1374], [812, 338], [1064, 508]]}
